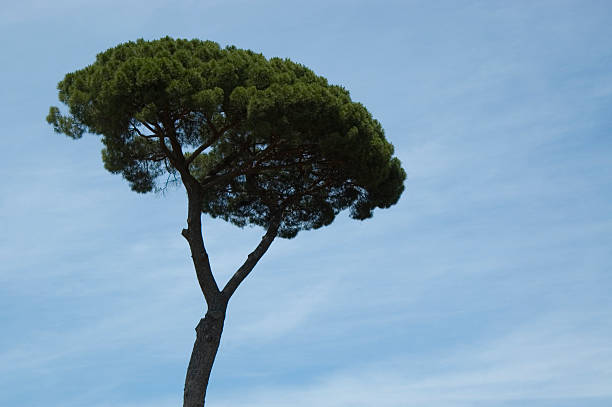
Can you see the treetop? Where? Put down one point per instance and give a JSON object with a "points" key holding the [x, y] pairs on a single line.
{"points": [[255, 140]]}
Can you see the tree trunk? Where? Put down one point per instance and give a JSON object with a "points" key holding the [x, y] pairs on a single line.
{"points": [[208, 336], [208, 331]]}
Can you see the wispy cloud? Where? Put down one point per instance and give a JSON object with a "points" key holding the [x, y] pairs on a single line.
{"points": [[553, 358]]}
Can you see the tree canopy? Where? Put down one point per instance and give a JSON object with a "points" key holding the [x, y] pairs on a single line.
{"points": [[261, 140]]}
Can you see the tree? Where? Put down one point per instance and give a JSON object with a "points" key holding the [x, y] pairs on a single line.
{"points": [[253, 141]]}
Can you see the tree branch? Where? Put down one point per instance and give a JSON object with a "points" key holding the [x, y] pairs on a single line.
{"points": [[150, 128], [193, 235], [250, 168], [203, 147], [167, 152], [222, 164], [216, 136], [177, 149], [147, 136], [246, 168], [253, 258]]}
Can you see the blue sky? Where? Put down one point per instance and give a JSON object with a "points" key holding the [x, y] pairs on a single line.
{"points": [[488, 284]]}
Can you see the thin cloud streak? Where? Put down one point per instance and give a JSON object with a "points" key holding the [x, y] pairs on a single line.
{"points": [[546, 359]]}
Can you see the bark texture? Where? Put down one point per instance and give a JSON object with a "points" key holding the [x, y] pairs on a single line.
{"points": [[208, 337]]}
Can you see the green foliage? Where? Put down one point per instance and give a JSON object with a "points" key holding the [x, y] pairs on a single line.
{"points": [[275, 139]]}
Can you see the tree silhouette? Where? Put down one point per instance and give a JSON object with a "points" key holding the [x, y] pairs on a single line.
{"points": [[253, 141]]}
